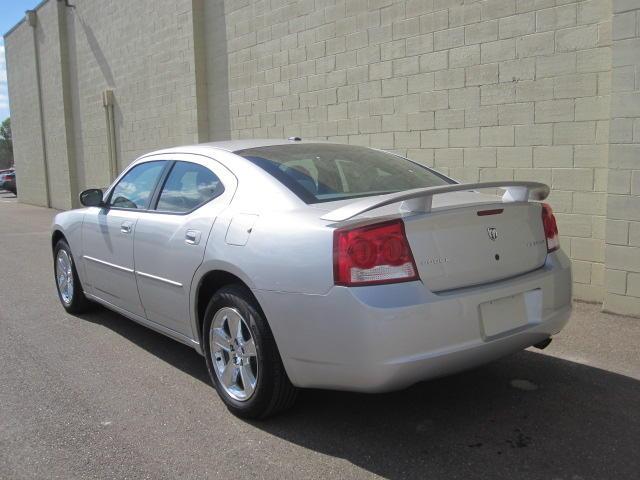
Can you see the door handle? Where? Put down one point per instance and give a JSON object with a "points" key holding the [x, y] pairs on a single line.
{"points": [[125, 227], [192, 237]]}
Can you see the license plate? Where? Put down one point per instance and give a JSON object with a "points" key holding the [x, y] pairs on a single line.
{"points": [[511, 313]]}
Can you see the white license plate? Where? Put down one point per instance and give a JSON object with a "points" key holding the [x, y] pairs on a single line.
{"points": [[511, 313]]}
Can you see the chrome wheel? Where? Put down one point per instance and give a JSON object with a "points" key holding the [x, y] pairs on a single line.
{"points": [[64, 276], [233, 353]]}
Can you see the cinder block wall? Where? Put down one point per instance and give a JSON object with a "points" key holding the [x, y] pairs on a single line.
{"points": [[25, 116], [59, 155], [38, 109], [623, 202], [142, 50], [481, 90]]}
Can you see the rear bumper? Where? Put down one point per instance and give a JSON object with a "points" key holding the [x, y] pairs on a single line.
{"points": [[381, 338]]}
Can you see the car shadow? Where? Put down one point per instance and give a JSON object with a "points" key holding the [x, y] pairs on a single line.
{"points": [[180, 356], [526, 416], [529, 415]]}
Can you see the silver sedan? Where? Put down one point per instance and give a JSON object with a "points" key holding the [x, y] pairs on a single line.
{"points": [[291, 264]]}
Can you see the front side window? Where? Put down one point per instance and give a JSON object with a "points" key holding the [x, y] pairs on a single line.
{"points": [[188, 186], [325, 173], [134, 190]]}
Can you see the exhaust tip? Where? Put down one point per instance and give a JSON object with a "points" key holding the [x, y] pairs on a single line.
{"points": [[543, 344]]}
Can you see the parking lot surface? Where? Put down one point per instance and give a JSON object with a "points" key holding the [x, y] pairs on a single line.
{"points": [[99, 396]]}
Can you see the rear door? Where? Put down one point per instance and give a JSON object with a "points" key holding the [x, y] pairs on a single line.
{"points": [[170, 238], [108, 237]]}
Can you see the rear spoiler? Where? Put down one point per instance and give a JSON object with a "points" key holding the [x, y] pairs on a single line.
{"points": [[419, 199]]}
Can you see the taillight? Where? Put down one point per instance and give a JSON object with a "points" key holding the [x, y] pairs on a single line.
{"points": [[373, 254], [550, 228]]}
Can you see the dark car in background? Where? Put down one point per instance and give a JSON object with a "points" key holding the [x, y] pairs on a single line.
{"points": [[8, 181]]}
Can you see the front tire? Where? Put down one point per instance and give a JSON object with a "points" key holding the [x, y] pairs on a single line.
{"points": [[68, 283], [242, 357]]}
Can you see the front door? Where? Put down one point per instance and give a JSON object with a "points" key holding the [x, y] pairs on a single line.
{"points": [[108, 235], [170, 239]]}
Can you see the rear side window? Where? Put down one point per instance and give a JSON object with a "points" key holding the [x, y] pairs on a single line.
{"points": [[188, 186], [134, 190], [325, 173]]}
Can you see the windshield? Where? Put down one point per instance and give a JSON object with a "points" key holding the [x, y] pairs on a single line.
{"points": [[325, 173]]}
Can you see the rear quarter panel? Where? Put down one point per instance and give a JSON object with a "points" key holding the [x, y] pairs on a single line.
{"points": [[290, 252], [286, 251], [288, 247]]}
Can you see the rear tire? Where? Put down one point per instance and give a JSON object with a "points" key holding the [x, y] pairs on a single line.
{"points": [[68, 284], [236, 336]]}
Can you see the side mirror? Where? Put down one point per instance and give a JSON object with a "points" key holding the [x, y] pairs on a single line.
{"points": [[92, 198]]}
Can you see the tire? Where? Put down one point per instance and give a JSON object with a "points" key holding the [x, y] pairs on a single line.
{"points": [[74, 301], [272, 391]]}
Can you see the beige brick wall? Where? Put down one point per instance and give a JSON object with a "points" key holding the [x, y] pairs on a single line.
{"points": [[40, 133], [480, 90], [25, 116], [48, 34], [142, 50], [623, 202]]}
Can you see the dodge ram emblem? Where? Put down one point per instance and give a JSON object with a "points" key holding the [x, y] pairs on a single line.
{"points": [[493, 233]]}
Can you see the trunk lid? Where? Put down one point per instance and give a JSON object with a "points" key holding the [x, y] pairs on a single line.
{"points": [[456, 246]]}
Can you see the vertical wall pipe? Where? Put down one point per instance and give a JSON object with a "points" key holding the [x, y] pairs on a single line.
{"points": [[107, 102]]}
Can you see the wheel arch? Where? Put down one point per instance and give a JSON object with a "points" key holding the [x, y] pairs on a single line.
{"points": [[56, 236], [210, 282]]}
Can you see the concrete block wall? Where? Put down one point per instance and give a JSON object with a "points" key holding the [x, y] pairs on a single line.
{"points": [[623, 203], [25, 116], [480, 90], [542, 90], [58, 155], [39, 117], [142, 50]]}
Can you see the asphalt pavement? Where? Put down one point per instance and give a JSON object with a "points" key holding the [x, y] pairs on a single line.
{"points": [[99, 396]]}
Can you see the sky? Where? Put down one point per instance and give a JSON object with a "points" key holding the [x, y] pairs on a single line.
{"points": [[11, 12]]}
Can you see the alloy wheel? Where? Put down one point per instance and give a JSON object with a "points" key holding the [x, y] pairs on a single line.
{"points": [[233, 354], [64, 276]]}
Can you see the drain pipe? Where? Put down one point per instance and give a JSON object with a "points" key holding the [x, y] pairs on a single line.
{"points": [[32, 21], [107, 102]]}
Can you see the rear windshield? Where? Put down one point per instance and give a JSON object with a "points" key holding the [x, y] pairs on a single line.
{"points": [[326, 173]]}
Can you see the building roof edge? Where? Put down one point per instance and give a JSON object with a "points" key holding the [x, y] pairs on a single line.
{"points": [[12, 29]]}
